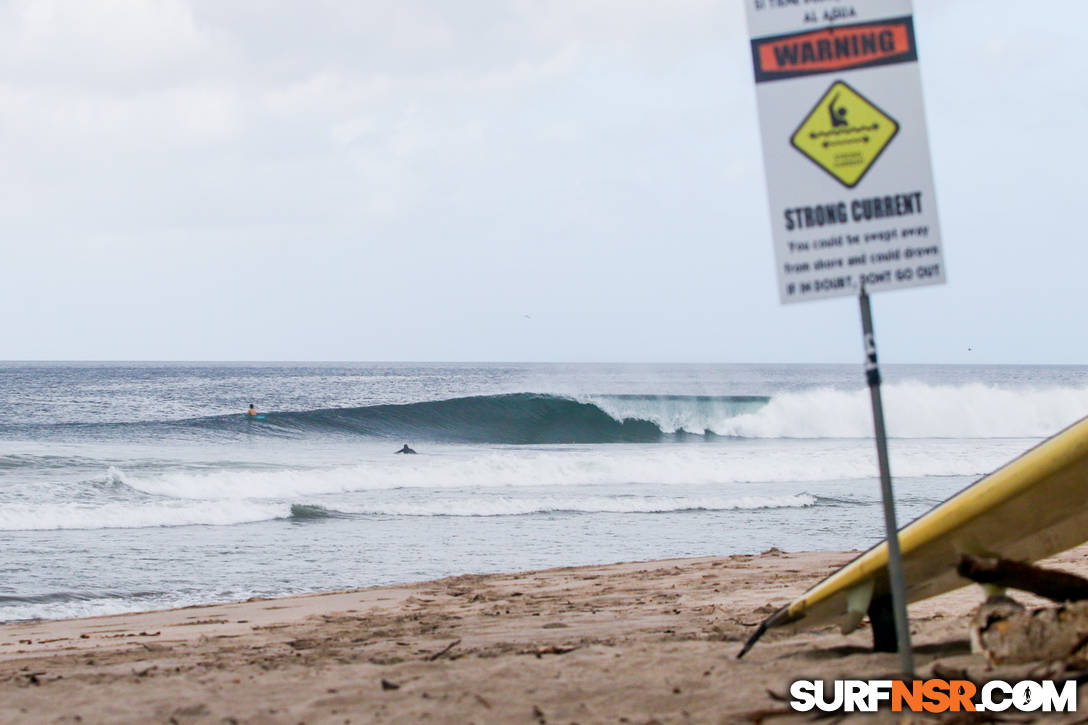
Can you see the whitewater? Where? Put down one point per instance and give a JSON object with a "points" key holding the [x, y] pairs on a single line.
{"points": [[128, 486]]}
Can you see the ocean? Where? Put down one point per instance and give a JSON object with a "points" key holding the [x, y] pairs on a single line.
{"points": [[137, 486]]}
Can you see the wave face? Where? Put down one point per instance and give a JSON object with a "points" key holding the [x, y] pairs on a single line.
{"points": [[517, 418], [912, 409]]}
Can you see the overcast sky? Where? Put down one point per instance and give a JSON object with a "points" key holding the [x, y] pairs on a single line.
{"points": [[512, 180]]}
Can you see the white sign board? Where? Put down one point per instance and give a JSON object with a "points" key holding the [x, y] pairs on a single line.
{"points": [[844, 146]]}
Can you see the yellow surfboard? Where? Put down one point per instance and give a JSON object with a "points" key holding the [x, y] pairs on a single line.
{"points": [[1031, 508]]}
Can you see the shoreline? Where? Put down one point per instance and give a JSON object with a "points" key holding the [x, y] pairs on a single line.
{"points": [[636, 642]]}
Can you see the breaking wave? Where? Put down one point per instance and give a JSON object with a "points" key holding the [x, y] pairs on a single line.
{"points": [[913, 410]]}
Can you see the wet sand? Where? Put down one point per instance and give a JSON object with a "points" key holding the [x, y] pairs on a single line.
{"points": [[648, 642]]}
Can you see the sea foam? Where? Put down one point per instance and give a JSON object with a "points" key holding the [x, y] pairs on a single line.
{"points": [[912, 410]]}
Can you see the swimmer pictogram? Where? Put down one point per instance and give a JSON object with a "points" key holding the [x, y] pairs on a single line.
{"points": [[844, 134], [838, 113]]}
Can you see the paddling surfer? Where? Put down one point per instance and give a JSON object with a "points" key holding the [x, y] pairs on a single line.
{"points": [[406, 449]]}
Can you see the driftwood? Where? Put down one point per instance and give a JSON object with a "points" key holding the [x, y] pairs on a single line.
{"points": [[1057, 586], [1006, 632], [1010, 635]]}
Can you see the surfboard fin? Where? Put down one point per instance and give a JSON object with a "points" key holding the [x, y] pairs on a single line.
{"points": [[857, 605]]}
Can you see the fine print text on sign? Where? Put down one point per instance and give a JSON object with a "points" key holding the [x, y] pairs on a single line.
{"points": [[844, 146]]}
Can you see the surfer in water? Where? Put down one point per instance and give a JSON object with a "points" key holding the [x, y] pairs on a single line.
{"points": [[406, 449], [252, 412]]}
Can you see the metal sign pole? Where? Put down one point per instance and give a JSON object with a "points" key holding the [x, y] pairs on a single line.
{"points": [[895, 557]]}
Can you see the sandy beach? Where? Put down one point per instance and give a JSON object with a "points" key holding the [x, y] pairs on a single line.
{"points": [[647, 642]]}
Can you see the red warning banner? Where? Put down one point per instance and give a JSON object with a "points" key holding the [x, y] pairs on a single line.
{"points": [[834, 49]]}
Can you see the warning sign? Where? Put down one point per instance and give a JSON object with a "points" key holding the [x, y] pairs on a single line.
{"points": [[844, 147], [844, 134], [836, 48]]}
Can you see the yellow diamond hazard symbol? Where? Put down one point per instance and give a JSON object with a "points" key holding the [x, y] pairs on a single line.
{"points": [[844, 134]]}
